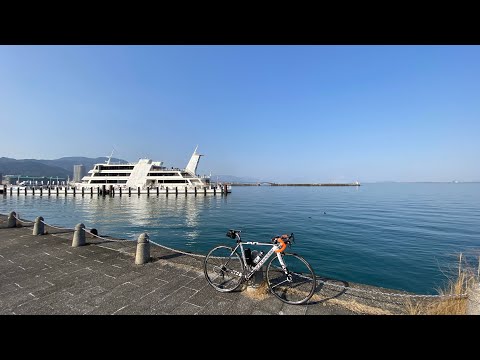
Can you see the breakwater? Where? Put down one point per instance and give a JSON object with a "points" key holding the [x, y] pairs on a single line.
{"points": [[291, 184]]}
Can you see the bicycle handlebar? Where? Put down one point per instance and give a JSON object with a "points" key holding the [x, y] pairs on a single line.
{"points": [[288, 239], [285, 238]]}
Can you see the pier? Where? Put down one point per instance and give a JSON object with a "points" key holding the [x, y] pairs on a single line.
{"points": [[52, 270], [112, 191]]}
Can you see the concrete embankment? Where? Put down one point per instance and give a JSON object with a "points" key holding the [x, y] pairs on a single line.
{"points": [[45, 274]]}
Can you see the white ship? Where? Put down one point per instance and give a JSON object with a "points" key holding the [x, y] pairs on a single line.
{"points": [[146, 174]]}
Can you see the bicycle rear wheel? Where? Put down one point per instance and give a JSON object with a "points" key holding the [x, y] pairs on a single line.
{"points": [[223, 269], [296, 287]]}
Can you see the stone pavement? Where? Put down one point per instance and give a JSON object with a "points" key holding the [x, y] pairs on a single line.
{"points": [[44, 274]]}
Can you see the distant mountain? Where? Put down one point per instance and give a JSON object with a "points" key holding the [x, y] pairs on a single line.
{"points": [[67, 163], [62, 167]]}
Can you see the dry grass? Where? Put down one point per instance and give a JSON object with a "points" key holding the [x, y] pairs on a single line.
{"points": [[259, 293], [458, 285]]}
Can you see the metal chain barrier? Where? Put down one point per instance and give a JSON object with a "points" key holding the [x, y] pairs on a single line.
{"points": [[177, 251], [56, 227], [326, 283], [107, 239], [23, 221]]}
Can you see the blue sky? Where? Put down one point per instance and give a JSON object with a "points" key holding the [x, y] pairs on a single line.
{"points": [[281, 113]]}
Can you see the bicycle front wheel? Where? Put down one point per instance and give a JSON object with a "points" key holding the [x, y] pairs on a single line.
{"points": [[297, 285], [223, 269]]}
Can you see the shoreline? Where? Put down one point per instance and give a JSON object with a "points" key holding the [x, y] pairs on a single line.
{"points": [[98, 276]]}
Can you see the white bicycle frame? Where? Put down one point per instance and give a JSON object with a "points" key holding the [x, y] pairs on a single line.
{"points": [[262, 261]]}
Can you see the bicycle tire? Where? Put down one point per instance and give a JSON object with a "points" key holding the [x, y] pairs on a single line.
{"points": [[300, 288], [223, 269]]}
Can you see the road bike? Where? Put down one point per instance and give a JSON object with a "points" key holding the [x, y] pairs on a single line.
{"points": [[288, 275]]}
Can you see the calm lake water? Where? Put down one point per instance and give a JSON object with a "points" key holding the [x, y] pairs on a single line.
{"points": [[405, 236]]}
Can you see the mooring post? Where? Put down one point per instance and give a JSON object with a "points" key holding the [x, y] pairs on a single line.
{"points": [[143, 249], [205, 191], [120, 191], [12, 220], [138, 190], [83, 191], [55, 188], [79, 235], [473, 300], [195, 191], [185, 190], [129, 191], [157, 191], [148, 191], [91, 191], [38, 226], [41, 191], [49, 191], [73, 191], [110, 191], [66, 190], [18, 190]]}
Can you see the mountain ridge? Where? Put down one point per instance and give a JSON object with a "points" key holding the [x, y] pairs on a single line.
{"points": [[62, 167]]}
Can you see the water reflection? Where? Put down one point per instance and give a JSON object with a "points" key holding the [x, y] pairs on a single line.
{"points": [[121, 216]]}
